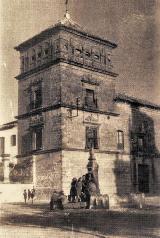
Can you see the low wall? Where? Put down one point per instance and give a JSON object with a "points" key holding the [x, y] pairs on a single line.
{"points": [[13, 192]]}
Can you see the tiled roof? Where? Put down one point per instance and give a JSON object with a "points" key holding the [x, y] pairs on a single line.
{"points": [[68, 24], [136, 101]]}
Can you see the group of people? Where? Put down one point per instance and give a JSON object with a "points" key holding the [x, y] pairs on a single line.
{"points": [[30, 194], [82, 189]]}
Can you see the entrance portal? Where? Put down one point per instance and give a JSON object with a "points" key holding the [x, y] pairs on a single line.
{"points": [[143, 178]]}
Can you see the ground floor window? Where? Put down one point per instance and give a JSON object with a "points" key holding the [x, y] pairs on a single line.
{"points": [[13, 140], [2, 145], [92, 137]]}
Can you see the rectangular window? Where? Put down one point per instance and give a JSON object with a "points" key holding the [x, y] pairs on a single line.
{"points": [[36, 97], [90, 100], [91, 137], [37, 138], [120, 140], [2, 145], [13, 140], [140, 144]]}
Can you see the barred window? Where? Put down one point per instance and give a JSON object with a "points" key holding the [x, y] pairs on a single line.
{"points": [[36, 96], [92, 137], [37, 138]]}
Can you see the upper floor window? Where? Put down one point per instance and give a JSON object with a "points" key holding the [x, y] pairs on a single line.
{"points": [[96, 57], [37, 138], [22, 64], [2, 145], [87, 54], [90, 100], [39, 53], [33, 57], [92, 137], [140, 144], [120, 140], [36, 96], [26, 63], [13, 140], [46, 50]]}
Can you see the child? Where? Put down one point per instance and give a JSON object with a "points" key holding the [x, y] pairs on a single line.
{"points": [[25, 196]]}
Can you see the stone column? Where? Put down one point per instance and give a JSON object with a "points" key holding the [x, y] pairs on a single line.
{"points": [[93, 167], [6, 160]]}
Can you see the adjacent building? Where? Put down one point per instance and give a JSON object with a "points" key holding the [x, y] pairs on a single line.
{"points": [[8, 149]]}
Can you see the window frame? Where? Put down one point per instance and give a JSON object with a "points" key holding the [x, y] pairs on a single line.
{"points": [[88, 102], [120, 140], [35, 99], [36, 137], [13, 140], [95, 143]]}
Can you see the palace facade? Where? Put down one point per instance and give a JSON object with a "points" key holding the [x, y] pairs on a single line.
{"points": [[67, 104]]}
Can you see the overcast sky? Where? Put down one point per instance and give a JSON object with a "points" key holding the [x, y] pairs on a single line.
{"points": [[132, 24]]}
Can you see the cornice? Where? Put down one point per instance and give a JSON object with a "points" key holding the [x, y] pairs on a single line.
{"points": [[97, 151], [63, 105], [53, 30], [23, 76]]}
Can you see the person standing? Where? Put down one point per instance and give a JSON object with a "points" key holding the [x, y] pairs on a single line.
{"points": [[73, 191], [29, 194], [25, 196], [33, 194], [79, 189]]}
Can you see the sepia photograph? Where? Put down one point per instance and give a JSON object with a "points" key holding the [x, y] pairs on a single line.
{"points": [[79, 118]]}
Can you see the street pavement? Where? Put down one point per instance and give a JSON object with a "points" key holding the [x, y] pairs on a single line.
{"points": [[37, 221]]}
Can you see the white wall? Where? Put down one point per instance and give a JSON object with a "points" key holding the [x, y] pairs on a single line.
{"points": [[9, 149]]}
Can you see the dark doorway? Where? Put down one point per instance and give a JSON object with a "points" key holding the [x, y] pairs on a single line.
{"points": [[143, 178]]}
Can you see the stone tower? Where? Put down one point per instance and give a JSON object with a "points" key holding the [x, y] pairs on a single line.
{"points": [[66, 88]]}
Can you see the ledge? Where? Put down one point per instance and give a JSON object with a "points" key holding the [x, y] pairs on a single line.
{"points": [[57, 106], [57, 61], [55, 29]]}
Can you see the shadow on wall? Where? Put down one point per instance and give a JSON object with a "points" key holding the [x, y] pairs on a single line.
{"points": [[131, 176], [122, 173]]}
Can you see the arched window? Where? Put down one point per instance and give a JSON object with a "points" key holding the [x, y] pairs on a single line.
{"points": [[39, 53], [46, 50], [33, 57]]}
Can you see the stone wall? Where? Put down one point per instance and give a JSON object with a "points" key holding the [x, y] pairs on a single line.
{"points": [[75, 81], [22, 172], [74, 130], [48, 173], [50, 81]]}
